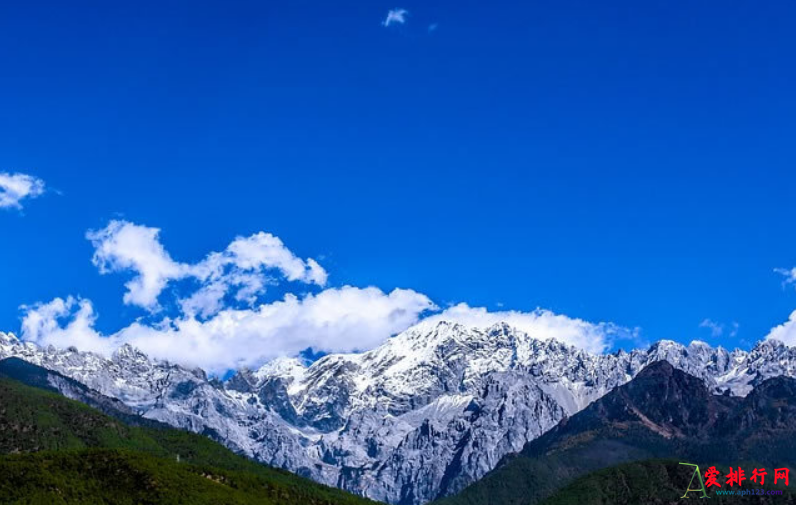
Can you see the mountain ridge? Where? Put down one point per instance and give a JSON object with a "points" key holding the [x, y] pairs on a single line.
{"points": [[662, 413], [57, 450], [422, 416]]}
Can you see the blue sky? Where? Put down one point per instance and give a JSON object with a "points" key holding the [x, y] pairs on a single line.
{"points": [[630, 162]]}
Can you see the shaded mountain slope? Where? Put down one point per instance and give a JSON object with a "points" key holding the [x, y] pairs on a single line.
{"points": [[662, 413]]}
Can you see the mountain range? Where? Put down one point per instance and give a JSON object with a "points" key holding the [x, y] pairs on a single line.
{"points": [[428, 413], [662, 413]]}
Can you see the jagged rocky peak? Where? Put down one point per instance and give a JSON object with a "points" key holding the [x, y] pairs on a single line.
{"points": [[8, 339], [132, 359], [127, 352], [674, 352], [706, 353], [447, 336], [667, 348], [282, 370], [242, 381], [769, 347]]}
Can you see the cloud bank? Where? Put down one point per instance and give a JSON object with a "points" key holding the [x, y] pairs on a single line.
{"points": [[17, 187], [785, 332], [243, 267], [65, 323], [220, 321], [345, 319]]}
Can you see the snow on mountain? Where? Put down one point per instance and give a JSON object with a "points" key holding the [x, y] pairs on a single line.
{"points": [[422, 416]]}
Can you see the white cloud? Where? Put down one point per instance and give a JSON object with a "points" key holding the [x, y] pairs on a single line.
{"points": [[785, 332], [242, 267], [343, 319], [540, 324], [395, 16], [316, 274], [124, 246], [715, 328], [64, 323], [205, 301], [16, 187], [263, 250]]}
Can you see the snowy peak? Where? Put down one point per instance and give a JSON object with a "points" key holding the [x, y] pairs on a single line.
{"points": [[284, 370], [128, 353], [8, 339], [769, 347], [282, 367]]}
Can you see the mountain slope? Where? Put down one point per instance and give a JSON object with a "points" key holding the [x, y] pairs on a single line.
{"points": [[49, 380], [61, 451], [662, 413]]}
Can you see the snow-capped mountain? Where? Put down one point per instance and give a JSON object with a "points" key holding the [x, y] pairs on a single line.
{"points": [[424, 415]]}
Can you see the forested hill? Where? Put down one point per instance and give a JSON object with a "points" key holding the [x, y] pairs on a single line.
{"points": [[58, 451]]}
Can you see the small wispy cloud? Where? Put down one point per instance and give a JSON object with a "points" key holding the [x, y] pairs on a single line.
{"points": [[433, 27], [244, 267], [395, 17], [16, 187], [788, 273], [716, 329]]}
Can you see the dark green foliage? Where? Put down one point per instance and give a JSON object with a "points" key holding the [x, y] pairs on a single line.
{"points": [[655, 482], [33, 420], [524, 480], [90, 458], [102, 476]]}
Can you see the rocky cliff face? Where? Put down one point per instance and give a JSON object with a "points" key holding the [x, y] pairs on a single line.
{"points": [[422, 416], [663, 414]]}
